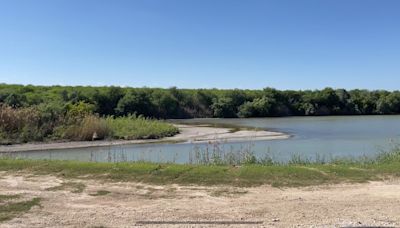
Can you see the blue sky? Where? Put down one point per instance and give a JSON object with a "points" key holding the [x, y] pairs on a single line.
{"points": [[305, 44]]}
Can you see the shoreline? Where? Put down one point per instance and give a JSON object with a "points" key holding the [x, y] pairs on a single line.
{"points": [[187, 134]]}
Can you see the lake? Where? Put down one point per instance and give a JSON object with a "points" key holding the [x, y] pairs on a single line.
{"points": [[313, 138]]}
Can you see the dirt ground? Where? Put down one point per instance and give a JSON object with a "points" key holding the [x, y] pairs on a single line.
{"points": [[90, 203]]}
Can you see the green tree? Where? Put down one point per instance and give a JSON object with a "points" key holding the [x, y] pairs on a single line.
{"points": [[15, 100], [107, 99], [259, 107], [135, 102], [166, 105], [223, 107]]}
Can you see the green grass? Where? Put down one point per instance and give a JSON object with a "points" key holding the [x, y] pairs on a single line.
{"points": [[279, 175], [15, 209], [132, 127]]}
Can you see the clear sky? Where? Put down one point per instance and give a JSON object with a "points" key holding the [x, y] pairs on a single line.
{"points": [[297, 44]]}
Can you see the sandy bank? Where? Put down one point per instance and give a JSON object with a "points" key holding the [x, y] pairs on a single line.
{"points": [[199, 133], [188, 134]]}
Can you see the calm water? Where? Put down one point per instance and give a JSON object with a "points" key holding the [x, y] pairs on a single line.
{"points": [[312, 137]]}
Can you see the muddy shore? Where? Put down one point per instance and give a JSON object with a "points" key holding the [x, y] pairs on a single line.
{"points": [[188, 134]]}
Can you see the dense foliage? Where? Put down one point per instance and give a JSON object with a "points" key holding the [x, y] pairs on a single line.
{"points": [[190, 103], [74, 122]]}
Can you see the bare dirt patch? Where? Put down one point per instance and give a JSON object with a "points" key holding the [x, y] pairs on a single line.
{"points": [[106, 204]]}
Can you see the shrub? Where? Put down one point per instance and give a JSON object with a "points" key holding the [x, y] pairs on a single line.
{"points": [[90, 128], [19, 125], [75, 122]]}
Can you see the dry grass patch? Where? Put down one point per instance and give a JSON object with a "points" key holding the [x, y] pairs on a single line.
{"points": [[5, 198], [228, 192], [74, 187], [100, 193]]}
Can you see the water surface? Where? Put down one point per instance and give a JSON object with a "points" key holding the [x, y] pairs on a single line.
{"points": [[321, 138]]}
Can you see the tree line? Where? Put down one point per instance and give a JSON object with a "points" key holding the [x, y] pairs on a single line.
{"points": [[197, 103]]}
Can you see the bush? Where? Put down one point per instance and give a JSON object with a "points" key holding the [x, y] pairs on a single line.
{"points": [[75, 122], [20, 125]]}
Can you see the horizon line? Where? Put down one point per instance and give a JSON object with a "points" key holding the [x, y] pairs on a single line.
{"points": [[192, 88]]}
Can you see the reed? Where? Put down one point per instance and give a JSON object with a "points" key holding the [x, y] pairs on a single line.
{"points": [[138, 127]]}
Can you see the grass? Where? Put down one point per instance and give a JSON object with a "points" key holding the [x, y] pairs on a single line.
{"points": [[4, 198], [132, 127], [278, 175], [129, 127], [15, 209]]}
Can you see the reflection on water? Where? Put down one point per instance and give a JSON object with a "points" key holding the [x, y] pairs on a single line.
{"points": [[314, 138]]}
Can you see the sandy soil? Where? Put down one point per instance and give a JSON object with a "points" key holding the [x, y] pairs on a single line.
{"points": [[193, 134], [188, 134], [135, 204]]}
